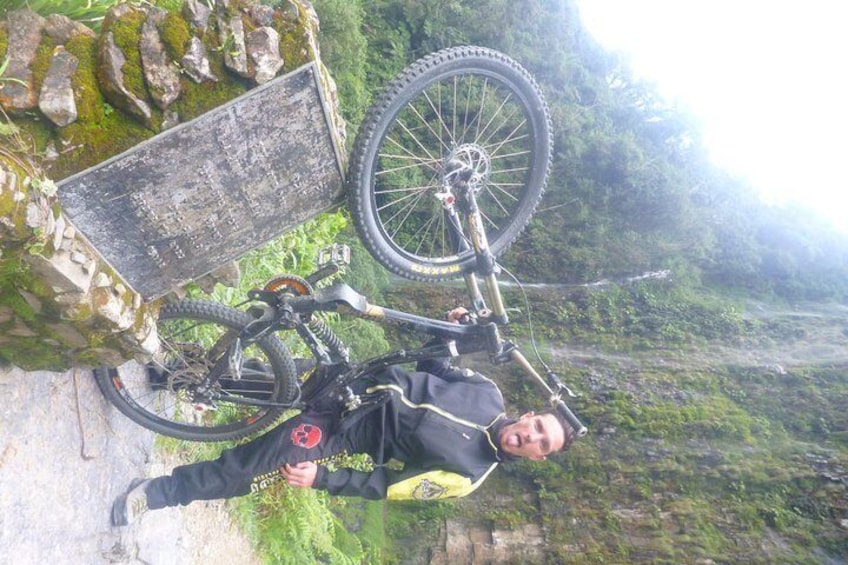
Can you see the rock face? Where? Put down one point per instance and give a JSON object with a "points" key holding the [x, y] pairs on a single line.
{"points": [[255, 55], [162, 74], [56, 100], [480, 544], [195, 62], [111, 68], [17, 92], [263, 48]]}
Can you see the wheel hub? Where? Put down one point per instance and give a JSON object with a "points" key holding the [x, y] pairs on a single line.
{"points": [[467, 167]]}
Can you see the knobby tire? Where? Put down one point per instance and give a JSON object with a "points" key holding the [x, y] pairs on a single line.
{"points": [[164, 407], [468, 103]]}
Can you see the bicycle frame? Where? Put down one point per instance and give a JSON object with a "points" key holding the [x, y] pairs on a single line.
{"points": [[293, 312]]}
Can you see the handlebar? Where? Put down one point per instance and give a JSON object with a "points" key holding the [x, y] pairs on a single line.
{"points": [[556, 402]]}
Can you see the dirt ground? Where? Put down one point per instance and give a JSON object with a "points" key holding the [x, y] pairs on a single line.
{"points": [[65, 454]]}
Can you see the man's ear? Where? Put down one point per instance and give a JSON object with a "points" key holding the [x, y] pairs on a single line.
{"points": [[527, 415]]}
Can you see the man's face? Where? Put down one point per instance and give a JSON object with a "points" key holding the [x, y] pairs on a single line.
{"points": [[533, 436]]}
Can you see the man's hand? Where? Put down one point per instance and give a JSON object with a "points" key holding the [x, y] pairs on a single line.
{"points": [[459, 316], [301, 475]]}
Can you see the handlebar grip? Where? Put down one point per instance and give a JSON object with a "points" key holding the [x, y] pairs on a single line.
{"points": [[564, 411]]}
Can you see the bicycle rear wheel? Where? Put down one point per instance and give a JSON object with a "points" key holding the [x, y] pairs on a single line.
{"points": [[467, 104], [194, 336]]}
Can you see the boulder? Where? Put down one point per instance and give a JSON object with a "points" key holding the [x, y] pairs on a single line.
{"points": [[56, 99], [195, 62], [161, 74], [263, 48], [62, 29], [232, 38], [112, 61], [17, 90], [197, 14]]}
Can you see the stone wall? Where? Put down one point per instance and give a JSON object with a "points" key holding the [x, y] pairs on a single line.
{"points": [[70, 99]]}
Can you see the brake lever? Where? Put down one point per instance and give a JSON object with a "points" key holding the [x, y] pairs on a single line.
{"points": [[558, 386]]}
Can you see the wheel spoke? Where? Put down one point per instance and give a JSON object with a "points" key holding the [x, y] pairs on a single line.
{"points": [[409, 208], [414, 138], [485, 113], [492, 119]]}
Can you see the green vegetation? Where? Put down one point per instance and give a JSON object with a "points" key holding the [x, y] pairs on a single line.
{"points": [[694, 452], [343, 50], [89, 12], [175, 35]]}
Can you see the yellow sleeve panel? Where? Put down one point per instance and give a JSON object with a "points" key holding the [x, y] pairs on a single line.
{"points": [[434, 485]]}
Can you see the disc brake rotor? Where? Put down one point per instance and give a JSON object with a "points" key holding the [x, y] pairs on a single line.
{"points": [[472, 163]]}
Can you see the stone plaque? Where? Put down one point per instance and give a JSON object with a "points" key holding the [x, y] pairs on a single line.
{"points": [[197, 196]]}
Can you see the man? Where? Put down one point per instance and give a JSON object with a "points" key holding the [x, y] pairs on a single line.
{"points": [[445, 426]]}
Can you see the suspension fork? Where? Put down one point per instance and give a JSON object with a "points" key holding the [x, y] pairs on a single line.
{"points": [[487, 267]]}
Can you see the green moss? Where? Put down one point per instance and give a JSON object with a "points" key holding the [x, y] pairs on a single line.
{"points": [[41, 64], [29, 353], [81, 313], [36, 133], [175, 35], [4, 42], [127, 34], [19, 306], [96, 339], [247, 24], [96, 142], [196, 99], [87, 358], [11, 270], [294, 47], [87, 94], [33, 353], [199, 98]]}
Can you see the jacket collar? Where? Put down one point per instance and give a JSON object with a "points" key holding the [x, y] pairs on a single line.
{"points": [[494, 432]]}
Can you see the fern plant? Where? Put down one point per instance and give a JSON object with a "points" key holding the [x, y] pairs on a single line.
{"points": [[297, 527]]}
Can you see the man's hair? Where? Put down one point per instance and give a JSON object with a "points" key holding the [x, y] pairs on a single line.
{"points": [[568, 432]]}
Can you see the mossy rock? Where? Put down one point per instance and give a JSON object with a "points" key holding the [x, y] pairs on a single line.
{"points": [[175, 34], [127, 34], [114, 133], [89, 100], [32, 354], [15, 232], [43, 58], [294, 46]]}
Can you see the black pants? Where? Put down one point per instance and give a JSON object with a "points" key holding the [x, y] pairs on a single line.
{"points": [[254, 465]]}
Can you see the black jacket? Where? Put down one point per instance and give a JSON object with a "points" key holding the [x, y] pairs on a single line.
{"points": [[441, 422]]}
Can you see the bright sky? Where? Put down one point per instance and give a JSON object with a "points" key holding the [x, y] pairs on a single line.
{"points": [[768, 81]]}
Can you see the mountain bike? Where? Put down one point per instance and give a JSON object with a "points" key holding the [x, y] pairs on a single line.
{"points": [[447, 169]]}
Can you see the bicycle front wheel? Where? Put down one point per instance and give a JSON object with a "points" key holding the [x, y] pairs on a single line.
{"points": [[467, 104], [172, 397]]}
